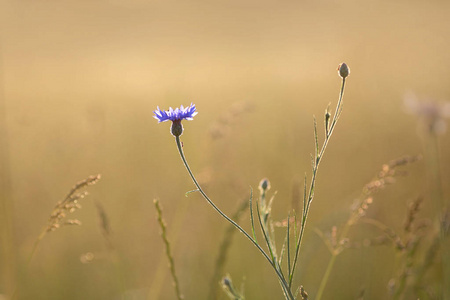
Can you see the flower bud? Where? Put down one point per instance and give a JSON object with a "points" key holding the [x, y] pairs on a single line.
{"points": [[264, 185], [343, 70], [226, 282]]}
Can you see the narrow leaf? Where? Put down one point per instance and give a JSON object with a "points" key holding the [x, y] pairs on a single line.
{"points": [[266, 237], [316, 138], [251, 216], [189, 192]]}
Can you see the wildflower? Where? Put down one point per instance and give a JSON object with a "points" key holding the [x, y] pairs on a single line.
{"points": [[431, 114], [176, 116]]}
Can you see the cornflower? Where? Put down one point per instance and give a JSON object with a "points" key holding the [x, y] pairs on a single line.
{"points": [[176, 116]]}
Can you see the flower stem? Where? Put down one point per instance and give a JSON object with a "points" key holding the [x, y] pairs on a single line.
{"points": [[317, 161], [283, 282]]}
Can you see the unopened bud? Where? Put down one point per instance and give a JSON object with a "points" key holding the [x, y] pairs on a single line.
{"points": [[226, 282], [343, 70], [264, 185]]}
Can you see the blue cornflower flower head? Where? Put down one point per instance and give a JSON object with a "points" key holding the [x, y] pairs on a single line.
{"points": [[176, 116]]}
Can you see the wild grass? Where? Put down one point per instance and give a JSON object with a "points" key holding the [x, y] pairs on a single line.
{"points": [[162, 225], [337, 240], [58, 219], [419, 241]]}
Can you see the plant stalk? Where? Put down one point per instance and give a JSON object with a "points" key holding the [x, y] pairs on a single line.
{"points": [[283, 282]]}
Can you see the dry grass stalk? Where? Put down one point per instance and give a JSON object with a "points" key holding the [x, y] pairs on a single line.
{"points": [[64, 207], [337, 242], [60, 211], [384, 178], [70, 204], [162, 225]]}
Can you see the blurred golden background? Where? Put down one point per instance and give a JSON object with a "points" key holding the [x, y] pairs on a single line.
{"points": [[79, 83]]}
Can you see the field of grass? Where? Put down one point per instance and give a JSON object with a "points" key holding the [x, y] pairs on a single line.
{"points": [[79, 81]]}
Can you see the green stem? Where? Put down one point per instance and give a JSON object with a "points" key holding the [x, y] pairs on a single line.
{"points": [[280, 277], [325, 277], [317, 161], [334, 254]]}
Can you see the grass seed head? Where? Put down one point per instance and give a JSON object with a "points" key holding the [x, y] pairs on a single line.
{"points": [[70, 204]]}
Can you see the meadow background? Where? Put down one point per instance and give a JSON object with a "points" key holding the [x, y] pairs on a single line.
{"points": [[79, 81]]}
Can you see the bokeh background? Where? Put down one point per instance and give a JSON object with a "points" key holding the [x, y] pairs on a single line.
{"points": [[79, 81]]}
